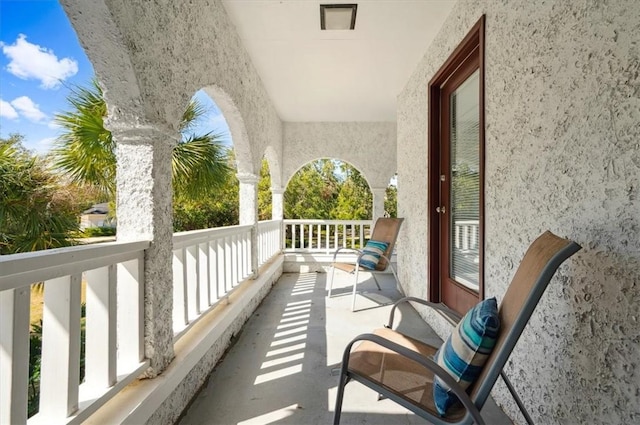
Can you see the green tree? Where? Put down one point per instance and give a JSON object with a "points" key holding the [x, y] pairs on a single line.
{"points": [[312, 192], [219, 208], [264, 192], [37, 211], [391, 201], [86, 150], [355, 201]]}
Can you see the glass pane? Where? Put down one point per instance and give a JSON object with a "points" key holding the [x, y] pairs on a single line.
{"points": [[465, 183]]}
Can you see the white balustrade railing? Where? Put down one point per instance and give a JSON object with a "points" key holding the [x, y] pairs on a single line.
{"points": [[207, 266], [325, 236], [114, 280], [269, 240], [465, 236]]}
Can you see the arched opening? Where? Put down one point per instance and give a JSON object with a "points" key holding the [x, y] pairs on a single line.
{"points": [[328, 189]]}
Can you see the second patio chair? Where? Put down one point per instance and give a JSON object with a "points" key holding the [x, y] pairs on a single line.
{"points": [[403, 369], [374, 258]]}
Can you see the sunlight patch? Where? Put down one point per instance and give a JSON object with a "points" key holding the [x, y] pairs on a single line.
{"points": [[271, 417], [277, 374]]}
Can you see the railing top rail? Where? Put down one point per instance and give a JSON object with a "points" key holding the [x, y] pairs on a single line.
{"points": [[261, 222], [316, 221], [17, 270], [181, 239]]}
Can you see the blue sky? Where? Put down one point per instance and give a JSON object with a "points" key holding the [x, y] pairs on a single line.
{"points": [[40, 59]]}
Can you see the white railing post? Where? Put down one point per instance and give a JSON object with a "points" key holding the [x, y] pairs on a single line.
{"points": [[180, 318], [191, 278], [14, 354], [60, 374], [101, 325], [130, 296], [203, 277]]}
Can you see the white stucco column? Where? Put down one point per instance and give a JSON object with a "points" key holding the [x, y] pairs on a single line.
{"points": [[144, 211], [277, 203], [249, 212], [378, 202]]}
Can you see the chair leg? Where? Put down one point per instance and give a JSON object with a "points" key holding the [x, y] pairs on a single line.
{"points": [[355, 283], [344, 379], [333, 269], [375, 279]]}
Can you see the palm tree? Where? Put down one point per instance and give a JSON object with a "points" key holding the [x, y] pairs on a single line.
{"points": [[86, 150]]}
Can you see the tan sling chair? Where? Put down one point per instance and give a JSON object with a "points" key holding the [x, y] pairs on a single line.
{"points": [[402, 369], [385, 230]]}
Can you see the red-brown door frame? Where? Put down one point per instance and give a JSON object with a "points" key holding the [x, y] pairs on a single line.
{"points": [[472, 41]]}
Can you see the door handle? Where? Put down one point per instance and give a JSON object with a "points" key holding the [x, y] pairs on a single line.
{"points": [[441, 210]]}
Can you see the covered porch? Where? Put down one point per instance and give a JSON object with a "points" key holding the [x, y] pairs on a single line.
{"points": [[561, 152]]}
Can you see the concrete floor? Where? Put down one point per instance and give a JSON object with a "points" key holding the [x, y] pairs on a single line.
{"points": [[283, 366]]}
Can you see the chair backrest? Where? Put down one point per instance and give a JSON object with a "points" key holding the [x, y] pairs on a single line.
{"points": [[540, 262], [386, 230]]}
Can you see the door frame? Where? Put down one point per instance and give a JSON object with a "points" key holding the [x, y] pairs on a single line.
{"points": [[472, 41]]}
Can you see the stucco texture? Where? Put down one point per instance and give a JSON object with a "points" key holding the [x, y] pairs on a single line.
{"points": [[562, 153], [368, 146]]}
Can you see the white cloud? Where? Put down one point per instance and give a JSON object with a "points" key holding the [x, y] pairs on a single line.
{"points": [[45, 144], [7, 111], [28, 109], [31, 61], [54, 125]]}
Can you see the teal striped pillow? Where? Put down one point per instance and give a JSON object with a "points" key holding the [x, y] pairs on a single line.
{"points": [[371, 254], [466, 350]]}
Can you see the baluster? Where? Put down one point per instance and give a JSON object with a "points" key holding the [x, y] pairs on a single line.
{"points": [[14, 354], [101, 325], [60, 373], [180, 318], [191, 277], [130, 296], [214, 293], [228, 261], [222, 268], [203, 277]]}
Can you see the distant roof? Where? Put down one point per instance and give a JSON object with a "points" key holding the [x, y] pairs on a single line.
{"points": [[102, 208]]}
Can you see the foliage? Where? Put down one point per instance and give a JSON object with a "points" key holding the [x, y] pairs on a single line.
{"points": [[219, 208], [35, 356], [391, 201], [327, 189], [355, 201], [86, 150], [92, 232], [312, 192], [37, 210], [264, 193]]}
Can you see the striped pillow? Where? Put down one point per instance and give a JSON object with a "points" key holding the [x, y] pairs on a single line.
{"points": [[466, 350], [371, 254]]}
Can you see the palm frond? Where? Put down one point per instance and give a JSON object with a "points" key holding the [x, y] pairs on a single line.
{"points": [[86, 150], [199, 166]]}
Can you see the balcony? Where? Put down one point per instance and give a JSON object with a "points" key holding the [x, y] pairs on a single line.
{"points": [[220, 276]]}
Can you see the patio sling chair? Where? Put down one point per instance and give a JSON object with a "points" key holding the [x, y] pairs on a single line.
{"points": [[404, 369], [375, 257]]}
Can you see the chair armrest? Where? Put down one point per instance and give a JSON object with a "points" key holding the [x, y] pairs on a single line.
{"points": [[335, 254], [454, 317], [426, 362]]}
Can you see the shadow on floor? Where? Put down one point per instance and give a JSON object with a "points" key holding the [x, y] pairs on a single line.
{"points": [[280, 368]]}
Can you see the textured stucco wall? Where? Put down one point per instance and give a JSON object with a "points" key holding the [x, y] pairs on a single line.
{"points": [[174, 49], [562, 153], [368, 146]]}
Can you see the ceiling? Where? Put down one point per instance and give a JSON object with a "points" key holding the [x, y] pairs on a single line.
{"points": [[314, 75]]}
